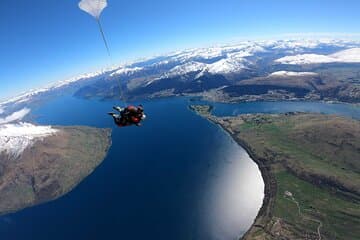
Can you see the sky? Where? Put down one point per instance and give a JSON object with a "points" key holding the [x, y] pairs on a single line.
{"points": [[44, 41]]}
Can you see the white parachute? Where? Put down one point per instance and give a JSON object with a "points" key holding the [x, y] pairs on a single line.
{"points": [[95, 8]]}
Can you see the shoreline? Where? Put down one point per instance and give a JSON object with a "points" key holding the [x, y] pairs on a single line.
{"points": [[270, 187]]}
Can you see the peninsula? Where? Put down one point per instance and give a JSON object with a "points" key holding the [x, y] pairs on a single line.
{"points": [[47, 168]]}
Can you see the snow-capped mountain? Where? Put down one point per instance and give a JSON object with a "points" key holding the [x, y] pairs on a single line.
{"points": [[223, 60], [227, 66], [232, 64], [180, 71], [243, 49], [185, 68]]}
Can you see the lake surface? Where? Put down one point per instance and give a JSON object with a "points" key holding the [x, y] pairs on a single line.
{"points": [[347, 110], [176, 177]]}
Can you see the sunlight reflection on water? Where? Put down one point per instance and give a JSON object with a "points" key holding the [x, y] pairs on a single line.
{"points": [[235, 194]]}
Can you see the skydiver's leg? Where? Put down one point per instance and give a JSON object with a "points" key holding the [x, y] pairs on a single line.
{"points": [[112, 114], [116, 117], [119, 109]]}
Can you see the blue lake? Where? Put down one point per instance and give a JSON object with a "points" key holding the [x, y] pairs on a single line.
{"points": [[176, 177]]}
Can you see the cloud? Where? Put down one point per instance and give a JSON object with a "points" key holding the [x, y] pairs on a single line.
{"points": [[15, 116], [1, 110]]}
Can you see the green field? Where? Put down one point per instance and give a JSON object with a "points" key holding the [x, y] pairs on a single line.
{"points": [[339, 217]]}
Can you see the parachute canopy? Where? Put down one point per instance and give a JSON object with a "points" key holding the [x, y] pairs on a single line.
{"points": [[93, 7]]}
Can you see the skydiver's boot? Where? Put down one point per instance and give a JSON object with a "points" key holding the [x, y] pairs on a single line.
{"points": [[119, 109], [114, 115]]}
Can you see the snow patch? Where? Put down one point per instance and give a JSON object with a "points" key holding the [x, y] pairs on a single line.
{"points": [[126, 71], [305, 59], [297, 44], [292, 74], [15, 116], [203, 53], [347, 56], [183, 69], [233, 64], [226, 66], [15, 138]]}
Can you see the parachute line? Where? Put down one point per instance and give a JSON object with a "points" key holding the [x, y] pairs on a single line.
{"points": [[103, 37], [95, 8]]}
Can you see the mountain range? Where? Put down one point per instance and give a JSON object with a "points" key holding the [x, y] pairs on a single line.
{"points": [[323, 69]]}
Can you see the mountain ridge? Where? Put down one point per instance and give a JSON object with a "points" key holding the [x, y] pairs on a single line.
{"points": [[235, 62]]}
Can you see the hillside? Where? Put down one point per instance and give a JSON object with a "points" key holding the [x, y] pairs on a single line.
{"points": [[330, 83]]}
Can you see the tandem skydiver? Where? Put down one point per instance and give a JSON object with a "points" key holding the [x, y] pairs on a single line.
{"points": [[128, 116]]}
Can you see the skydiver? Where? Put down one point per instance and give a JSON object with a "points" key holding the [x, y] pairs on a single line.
{"points": [[128, 116]]}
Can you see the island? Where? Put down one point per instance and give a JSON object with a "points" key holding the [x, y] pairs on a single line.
{"points": [[51, 166], [310, 164]]}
